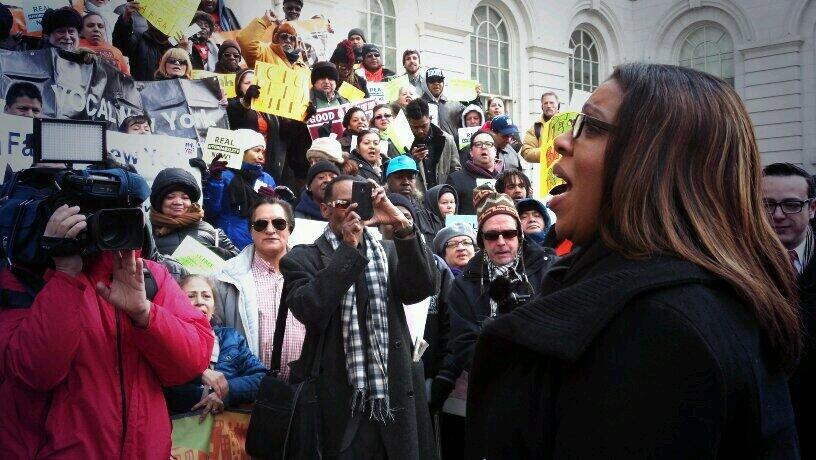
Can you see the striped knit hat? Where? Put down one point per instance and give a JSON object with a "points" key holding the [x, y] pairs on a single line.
{"points": [[488, 203]]}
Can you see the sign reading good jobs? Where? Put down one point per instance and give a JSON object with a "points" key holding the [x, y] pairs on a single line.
{"points": [[169, 17], [554, 127], [284, 91]]}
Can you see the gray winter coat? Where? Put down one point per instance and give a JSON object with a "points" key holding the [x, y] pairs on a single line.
{"points": [[316, 279]]}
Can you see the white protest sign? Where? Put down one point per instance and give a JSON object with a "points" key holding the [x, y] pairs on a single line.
{"points": [[15, 132], [307, 231], [35, 9], [222, 142], [196, 258], [467, 219], [481, 181], [433, 113], [465, 134], [188, 32], [416, 315]]}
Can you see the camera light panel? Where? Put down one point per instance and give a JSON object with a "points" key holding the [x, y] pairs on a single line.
{"points": [[64, 141]]}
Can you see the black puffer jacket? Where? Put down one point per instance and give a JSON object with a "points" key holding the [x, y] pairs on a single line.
{"points": [[142, 49], [215, 240], [470, 302]]}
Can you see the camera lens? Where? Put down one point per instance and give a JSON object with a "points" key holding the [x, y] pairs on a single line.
{"points": [[111, 231]]}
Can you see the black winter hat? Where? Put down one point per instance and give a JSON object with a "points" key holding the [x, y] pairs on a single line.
{"points": [[356, 31], [61, 17], [325, 69], [319, 167], [401, 200], [370, 48], [6, 21], [172, 179]]}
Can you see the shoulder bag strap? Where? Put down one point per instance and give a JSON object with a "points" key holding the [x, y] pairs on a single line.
{"points": [[277, 344]]}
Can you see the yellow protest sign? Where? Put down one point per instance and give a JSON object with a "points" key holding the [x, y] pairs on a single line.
{"points": [[554, 127], [457, 89], [391, 88], [350, 92], [284, 91], [400, 134], [169, 17], [226, 80]]}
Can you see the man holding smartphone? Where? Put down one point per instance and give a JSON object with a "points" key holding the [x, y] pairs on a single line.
{"points": [[433, 149], [350, 288]]}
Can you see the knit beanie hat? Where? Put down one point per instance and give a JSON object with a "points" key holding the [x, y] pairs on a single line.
{"points": [[450, 232], [401, 200], [343, 54], [489, 203], [247, 139], [61, 17], [356, 31], [326, 148], [172, 179], [284, 28], [228, 44], [325, 69], [370, 48], [320, 167]]}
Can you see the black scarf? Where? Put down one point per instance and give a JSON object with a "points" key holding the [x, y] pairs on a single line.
{"points": [[241, 190]]}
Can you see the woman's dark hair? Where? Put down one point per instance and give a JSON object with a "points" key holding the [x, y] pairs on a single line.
{"points": [[287, 211], [349, 114], [381, 106], [87, 15], [133, 120], [366, 132], [240, 76], [682, 183]]}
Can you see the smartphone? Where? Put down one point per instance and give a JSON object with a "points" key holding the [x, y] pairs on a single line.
{"points": [[361, 194], [421, 146]]}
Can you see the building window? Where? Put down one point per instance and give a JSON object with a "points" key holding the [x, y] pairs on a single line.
{"points": [[710, 49], [378, 21], [490, 53], [583, 63]]}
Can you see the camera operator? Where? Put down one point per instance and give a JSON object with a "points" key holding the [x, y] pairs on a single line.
{"points": [[505, 274], [82, 367]]}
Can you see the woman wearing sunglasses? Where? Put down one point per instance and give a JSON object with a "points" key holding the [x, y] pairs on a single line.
{"points": [[249, 286], [176, 214], [381, 117], [670, 331], [174, 63]]}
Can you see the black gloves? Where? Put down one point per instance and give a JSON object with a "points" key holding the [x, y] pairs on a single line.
{"points": [[440, 390]]}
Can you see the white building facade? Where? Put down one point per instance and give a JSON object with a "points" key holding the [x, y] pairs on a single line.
{"points": [[518, 49]]}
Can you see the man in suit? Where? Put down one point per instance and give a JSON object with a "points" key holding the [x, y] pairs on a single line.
{"points": [[790, 200], [350, 289]]}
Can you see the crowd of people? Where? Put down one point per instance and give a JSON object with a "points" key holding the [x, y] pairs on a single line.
{"points": [[635, 324]]}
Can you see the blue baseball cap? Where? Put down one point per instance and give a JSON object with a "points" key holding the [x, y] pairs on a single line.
{"points": [[503, 124], [401, 163]]}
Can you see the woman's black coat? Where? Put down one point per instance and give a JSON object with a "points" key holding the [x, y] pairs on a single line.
{"points": [[628, 359]]}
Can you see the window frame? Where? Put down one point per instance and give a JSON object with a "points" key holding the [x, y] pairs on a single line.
{"points": [[594, 65], [386, 15], [703, 28], [496, 33]]}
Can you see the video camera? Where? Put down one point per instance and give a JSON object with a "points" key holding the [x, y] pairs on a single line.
{"points": [[109, 197], [502, 290]]}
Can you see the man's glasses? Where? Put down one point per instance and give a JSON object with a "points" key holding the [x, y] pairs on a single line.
{"points": [[584, 119], [455, 244], [339, 204], [483, 144], [492, 235], [788, 207], [261, 225], [177, 61]]}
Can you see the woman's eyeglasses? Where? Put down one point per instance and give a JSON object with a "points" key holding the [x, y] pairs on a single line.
{"points": [[382, 116], [261, 225], [455, 244], [584, 119], [491, 235]]}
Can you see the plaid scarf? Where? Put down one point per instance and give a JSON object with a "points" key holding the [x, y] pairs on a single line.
{"points": [[494, 271], [367, 369]]}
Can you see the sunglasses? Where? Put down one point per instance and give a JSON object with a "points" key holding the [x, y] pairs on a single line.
{"points": [[177, 61], [376, 55], [494, 235], [339, 204], [261, 225], [382, 117], [286, 37]]}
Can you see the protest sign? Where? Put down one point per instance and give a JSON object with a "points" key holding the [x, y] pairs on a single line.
{"points": [[399, 132], [191, 30], [467, 219], [100, 92], [221, 435], [310, 26], [457, 89], [225, 80], [196, 258], [333, 116], [465, 134], [391, 88], [416, 315], [309, 230], [284, 91], [376, 91], [555, 126], [481, 181], [222, 142], [351, 92], [15, 141], [433, 113], [170, 18], [35, 9]]}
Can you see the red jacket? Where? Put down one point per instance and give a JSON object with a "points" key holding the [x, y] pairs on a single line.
{"points": [[60, 386]]}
